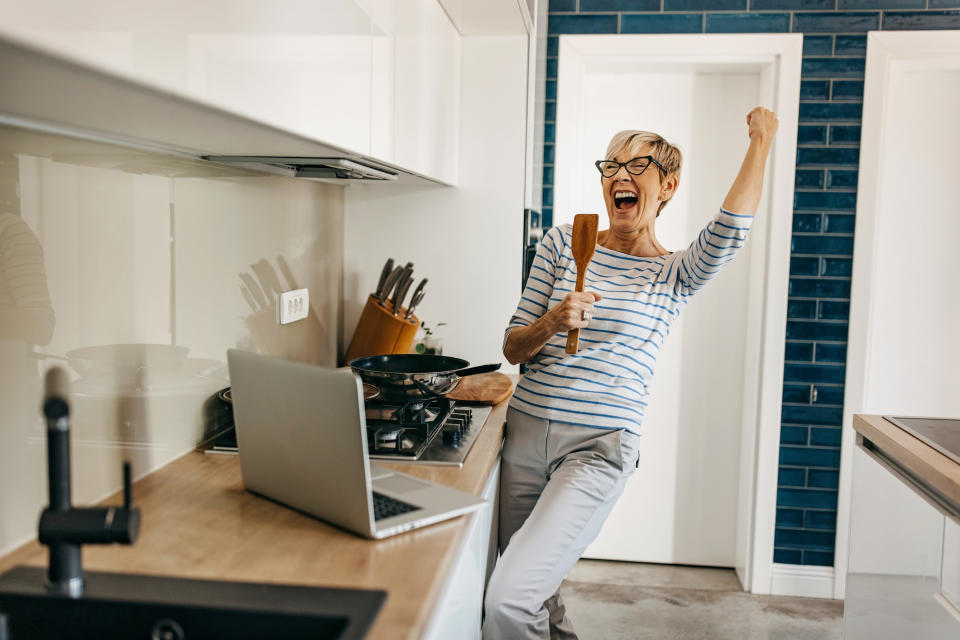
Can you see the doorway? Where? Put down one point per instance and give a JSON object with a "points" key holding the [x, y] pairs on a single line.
{"points": [[705, 490]]}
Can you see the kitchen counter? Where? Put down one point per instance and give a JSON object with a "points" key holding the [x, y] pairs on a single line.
{"points": [[920, 462], [903, 559], [199, 522]]}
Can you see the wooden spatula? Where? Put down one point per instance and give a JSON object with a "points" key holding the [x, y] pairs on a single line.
{"points": [[584, 242]]}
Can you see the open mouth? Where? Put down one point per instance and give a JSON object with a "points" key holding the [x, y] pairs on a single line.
{"points": [[624, 199]]}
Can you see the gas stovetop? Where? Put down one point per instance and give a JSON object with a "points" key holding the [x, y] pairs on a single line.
{"points": [[437, 431], [432, 431]]}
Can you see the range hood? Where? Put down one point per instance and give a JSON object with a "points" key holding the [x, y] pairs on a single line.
{"points": [[324, 169], [50, 94]]}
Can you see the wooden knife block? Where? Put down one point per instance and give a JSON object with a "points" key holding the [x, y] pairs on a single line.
{"points": [[380, 332]]}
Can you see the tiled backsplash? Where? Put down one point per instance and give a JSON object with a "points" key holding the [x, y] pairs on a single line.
{"points": [[175, 256]]}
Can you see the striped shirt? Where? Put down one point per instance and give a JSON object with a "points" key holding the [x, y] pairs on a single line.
{"points": [[606, 384]]}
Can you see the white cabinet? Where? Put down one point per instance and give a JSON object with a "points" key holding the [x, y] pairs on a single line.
{"points": [[301, 66], [416, 90], [903, 561], [458, 612]]}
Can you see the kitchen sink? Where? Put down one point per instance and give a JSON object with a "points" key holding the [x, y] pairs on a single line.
{"points": [[117, 605]]}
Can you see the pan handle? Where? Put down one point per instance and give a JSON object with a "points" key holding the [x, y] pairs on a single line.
{"points": [[472, 371]]}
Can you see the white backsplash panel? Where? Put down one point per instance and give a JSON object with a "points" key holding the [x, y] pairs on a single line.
{"points": [[136, 273]]}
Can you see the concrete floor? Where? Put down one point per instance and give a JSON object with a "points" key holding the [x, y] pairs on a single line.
{"points": [[625, 600]]}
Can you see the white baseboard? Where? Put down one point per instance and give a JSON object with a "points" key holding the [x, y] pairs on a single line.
{"points": [[801, 580]]}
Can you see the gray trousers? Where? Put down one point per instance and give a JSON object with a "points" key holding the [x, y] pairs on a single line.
{"points": [[558, 483]]}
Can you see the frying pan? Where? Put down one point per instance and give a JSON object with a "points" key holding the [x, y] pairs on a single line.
{"points": [[403, 377]]}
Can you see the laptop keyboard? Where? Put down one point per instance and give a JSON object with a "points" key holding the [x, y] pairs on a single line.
{"points": [[386, 507]]}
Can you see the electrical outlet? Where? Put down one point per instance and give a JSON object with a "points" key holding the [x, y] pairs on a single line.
{"points": [[293, 305]]}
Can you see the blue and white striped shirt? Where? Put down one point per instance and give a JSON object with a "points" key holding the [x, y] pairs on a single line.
{"points": [[605, 384]]}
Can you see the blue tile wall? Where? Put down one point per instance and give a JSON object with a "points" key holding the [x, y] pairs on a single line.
{"points": [[828, 155], [840, 178], [808, 178], [881, 4], [894, 20], [836, 267], [792, 518], [847, 90], [748, 22], [796, 393], [811, 134], [804, 266], [795, 435], [848, 45], [804, 5], [815, 90], [663, 23], [835, 22], [817, 45], [704, 5], [587, 6]]}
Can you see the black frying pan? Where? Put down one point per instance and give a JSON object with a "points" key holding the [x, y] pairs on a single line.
{"points": [[404, 377]]}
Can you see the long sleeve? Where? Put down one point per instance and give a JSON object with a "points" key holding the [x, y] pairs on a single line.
{"points": [[713, 248], [539, 287]]}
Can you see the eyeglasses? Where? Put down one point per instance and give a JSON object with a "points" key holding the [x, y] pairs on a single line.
{"points": [[636, 166]]}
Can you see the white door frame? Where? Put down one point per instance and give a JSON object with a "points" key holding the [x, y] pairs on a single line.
{"points": [[887, 52], [778, 56]]}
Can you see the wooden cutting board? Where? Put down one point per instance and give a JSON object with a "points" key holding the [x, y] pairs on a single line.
{"points": [[485, 388]]}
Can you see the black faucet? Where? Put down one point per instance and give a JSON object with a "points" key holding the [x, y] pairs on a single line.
{"points": [[64, 528]]}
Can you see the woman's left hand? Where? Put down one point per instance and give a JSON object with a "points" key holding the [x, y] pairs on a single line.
{"points": [[762, 122]]}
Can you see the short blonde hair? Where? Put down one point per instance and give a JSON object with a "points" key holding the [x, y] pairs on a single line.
{"points": [[667, 154]]}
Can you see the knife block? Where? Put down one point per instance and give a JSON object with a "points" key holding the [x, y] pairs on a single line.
{"points": [[379, 332]]}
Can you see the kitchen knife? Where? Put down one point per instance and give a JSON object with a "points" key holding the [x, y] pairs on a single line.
{"points": [[415, 298], [387, 268], [389, 284], [401, 291]]}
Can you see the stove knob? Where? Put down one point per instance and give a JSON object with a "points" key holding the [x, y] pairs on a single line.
{"points": [[451, 437]]}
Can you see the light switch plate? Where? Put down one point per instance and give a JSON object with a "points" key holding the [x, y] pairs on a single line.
{"points": [[293, 305]]}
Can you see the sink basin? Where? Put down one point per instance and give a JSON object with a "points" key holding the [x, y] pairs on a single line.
{"points": [[117, 605]]}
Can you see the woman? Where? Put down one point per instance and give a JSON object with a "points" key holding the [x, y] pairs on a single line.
{"points": [[573, 423]]}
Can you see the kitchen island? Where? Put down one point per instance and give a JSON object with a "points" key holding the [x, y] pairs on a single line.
{"points": [[903, 570], [199, 522]]}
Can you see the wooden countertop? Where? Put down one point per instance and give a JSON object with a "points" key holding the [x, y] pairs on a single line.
{"points": [[926, 464], [198, 522]]}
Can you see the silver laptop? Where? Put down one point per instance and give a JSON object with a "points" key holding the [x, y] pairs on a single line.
{"points": [[302, 437]]}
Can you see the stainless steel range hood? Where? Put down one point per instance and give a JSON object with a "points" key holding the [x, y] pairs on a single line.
{"points": [[325, 169], [61, 97]]}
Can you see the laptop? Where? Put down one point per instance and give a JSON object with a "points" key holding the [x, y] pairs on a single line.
{"points": [[302, 439]]}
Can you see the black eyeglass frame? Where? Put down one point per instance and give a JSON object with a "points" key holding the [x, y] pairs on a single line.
{"points": [[624, 165]]}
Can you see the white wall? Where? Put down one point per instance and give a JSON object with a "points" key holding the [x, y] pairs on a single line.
{"points": [[146, 249], [465, 239]]}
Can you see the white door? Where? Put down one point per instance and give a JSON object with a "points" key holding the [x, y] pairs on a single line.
{"points": [[700, 435]]}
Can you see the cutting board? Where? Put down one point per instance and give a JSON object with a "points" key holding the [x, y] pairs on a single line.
{"points": [[485, 388]]}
